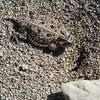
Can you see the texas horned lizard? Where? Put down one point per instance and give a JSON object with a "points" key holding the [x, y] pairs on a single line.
{"points": [[41, 36]]}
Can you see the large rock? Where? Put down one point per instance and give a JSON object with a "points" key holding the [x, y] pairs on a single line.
{"points": [[81, 90]]}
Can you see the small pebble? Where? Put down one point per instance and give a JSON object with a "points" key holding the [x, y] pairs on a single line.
{"points": [[23, 67], [1, 53]]}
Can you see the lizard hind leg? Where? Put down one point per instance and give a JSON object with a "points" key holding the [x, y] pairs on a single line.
{"points": [[16, 37]]}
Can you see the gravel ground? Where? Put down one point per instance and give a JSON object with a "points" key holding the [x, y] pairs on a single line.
{"points": [[26, 73]]}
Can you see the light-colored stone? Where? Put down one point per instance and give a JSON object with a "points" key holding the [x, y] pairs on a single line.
{"points": [[81, 90], [1, 53], [23, 67]]}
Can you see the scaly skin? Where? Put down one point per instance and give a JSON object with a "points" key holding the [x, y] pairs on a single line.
{"points": [[38, 35]]}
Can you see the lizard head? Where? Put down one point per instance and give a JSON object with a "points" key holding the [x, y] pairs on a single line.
{"points": [[61, 42]]}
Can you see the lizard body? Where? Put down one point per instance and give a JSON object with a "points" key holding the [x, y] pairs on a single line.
{"points": [[39, 35]]}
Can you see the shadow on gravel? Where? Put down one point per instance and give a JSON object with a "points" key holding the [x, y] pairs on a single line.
{"points": [[56, 96], [59, 51], [2, 98]]}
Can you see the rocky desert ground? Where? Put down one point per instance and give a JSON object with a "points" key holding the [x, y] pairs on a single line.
{"points": [[28, 73]]}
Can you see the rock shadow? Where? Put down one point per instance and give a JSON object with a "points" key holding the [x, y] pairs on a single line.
{"points": [[56, 96]]}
